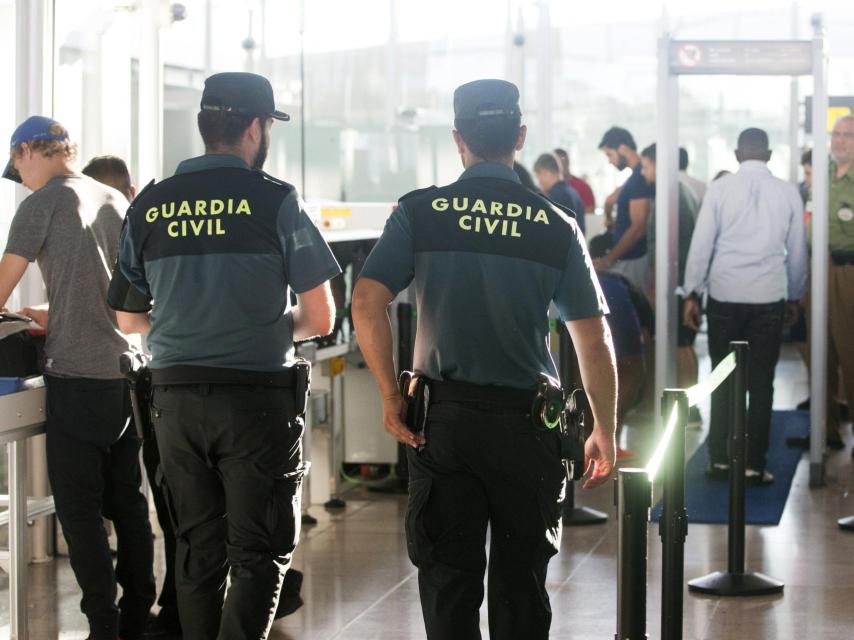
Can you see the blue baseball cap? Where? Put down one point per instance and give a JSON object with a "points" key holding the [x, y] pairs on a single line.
{"points": [[33, 128]]}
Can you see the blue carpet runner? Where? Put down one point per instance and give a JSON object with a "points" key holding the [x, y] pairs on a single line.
{"points": [[707, 501]]}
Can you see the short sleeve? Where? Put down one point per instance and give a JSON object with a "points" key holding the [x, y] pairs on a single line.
{"points": [[308, 259], [639, 188], [129, 290], [29, 228], [578, 295], [392, 261]]}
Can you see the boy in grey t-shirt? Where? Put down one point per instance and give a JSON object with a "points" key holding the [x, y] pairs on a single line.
{"points": [[70, 226]]}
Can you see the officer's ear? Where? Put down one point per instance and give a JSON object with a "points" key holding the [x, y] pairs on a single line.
{"points": [[461, 144], [523, 133], [255, 130]]}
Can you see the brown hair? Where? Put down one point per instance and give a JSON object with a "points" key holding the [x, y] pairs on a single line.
{"points": [[547, 162]]}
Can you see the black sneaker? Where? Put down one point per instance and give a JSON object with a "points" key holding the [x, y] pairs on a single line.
{"points": [[717, 470], [290, 600], [754, 476]]}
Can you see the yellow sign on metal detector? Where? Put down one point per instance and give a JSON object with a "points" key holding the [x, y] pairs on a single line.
{"points": [[834, 113]]}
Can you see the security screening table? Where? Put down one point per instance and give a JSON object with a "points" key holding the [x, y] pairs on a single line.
{"points": [[22, 416]]}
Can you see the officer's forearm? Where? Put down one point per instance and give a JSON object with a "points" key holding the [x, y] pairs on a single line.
{"points": [[373, 329], [592, 340], [133, 322]]}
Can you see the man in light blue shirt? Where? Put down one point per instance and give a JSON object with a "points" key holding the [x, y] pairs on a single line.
{"points": [[749, 254]]}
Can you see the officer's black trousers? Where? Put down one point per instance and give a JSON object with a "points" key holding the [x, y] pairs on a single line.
{"points": [[93, 466], [482, 467], [232, 458], [168, 599]]}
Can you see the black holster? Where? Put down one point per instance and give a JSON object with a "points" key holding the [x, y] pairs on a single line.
{"points": [[302, 385], [134, 367], [553, 408], [573, 434], [416, 393]]}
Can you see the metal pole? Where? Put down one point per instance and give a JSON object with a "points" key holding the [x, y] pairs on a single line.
{"points": [[794, 108], [399, 482], [150, 95], [634, 496], [735, 581], [666, 222], [405, 355], [673, 526], [818, 295], [336, 431], [737, 458], [17, 455], [302, 96]]}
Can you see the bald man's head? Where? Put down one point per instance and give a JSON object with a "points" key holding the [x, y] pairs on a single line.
{"points": [[753, 145], [842, 141]]}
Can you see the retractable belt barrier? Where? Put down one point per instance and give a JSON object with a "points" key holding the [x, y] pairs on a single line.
{"points": [[634, 498]]}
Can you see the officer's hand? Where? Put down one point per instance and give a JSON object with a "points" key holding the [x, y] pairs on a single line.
{"points": [[394, 416], [600, 453], [691, 314]]}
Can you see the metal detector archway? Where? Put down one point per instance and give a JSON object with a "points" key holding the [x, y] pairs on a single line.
{"points": [[740, 58]]}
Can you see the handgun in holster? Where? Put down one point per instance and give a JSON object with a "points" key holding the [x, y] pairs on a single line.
{"points": [[556, 409], [302, 385], [134, 367], [416, 393]]}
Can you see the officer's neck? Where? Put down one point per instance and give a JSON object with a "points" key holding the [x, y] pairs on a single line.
{"points": [[245, 154], [470, 160]]}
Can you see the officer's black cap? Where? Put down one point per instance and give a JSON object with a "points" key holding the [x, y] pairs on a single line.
{"points": [[486, 99], [242, 93]]}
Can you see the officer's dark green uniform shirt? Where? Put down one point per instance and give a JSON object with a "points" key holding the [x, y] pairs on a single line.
{"points": [[217, 247], [487, 257]]}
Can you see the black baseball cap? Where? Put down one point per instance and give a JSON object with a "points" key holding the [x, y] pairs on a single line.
{"points": [[486, 99], [242, 93]]}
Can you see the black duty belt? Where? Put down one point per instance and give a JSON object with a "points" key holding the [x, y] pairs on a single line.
{"points": [[186, 374], [841, 258], [499, 396]]}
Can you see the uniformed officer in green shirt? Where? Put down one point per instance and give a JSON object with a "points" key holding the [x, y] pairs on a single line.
{"points": [[486, 257], [840, 292]]}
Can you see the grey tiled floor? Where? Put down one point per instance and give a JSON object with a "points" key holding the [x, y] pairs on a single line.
{"points": [[359, 584]]}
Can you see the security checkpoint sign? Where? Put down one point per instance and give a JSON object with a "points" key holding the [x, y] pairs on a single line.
{"points": [[741, 57]]}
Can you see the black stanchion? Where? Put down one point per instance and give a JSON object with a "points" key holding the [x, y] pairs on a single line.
{"points": [[673, 525], [734, 581], [634, 496], [399, 482], [573, 515]]}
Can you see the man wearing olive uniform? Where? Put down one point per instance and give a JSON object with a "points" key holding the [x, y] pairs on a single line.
{"points": [[214, 252], [840, 206], [486, 257]]}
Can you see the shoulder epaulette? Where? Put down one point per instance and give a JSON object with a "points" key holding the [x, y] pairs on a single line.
{"points": [[138, 197], [274, 180], [562, 208], [416, 193]]}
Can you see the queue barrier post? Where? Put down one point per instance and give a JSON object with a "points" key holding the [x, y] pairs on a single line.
{"points": [[573, 515], [398, 482], [673, 525], [634, 497], [735, 581]]}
